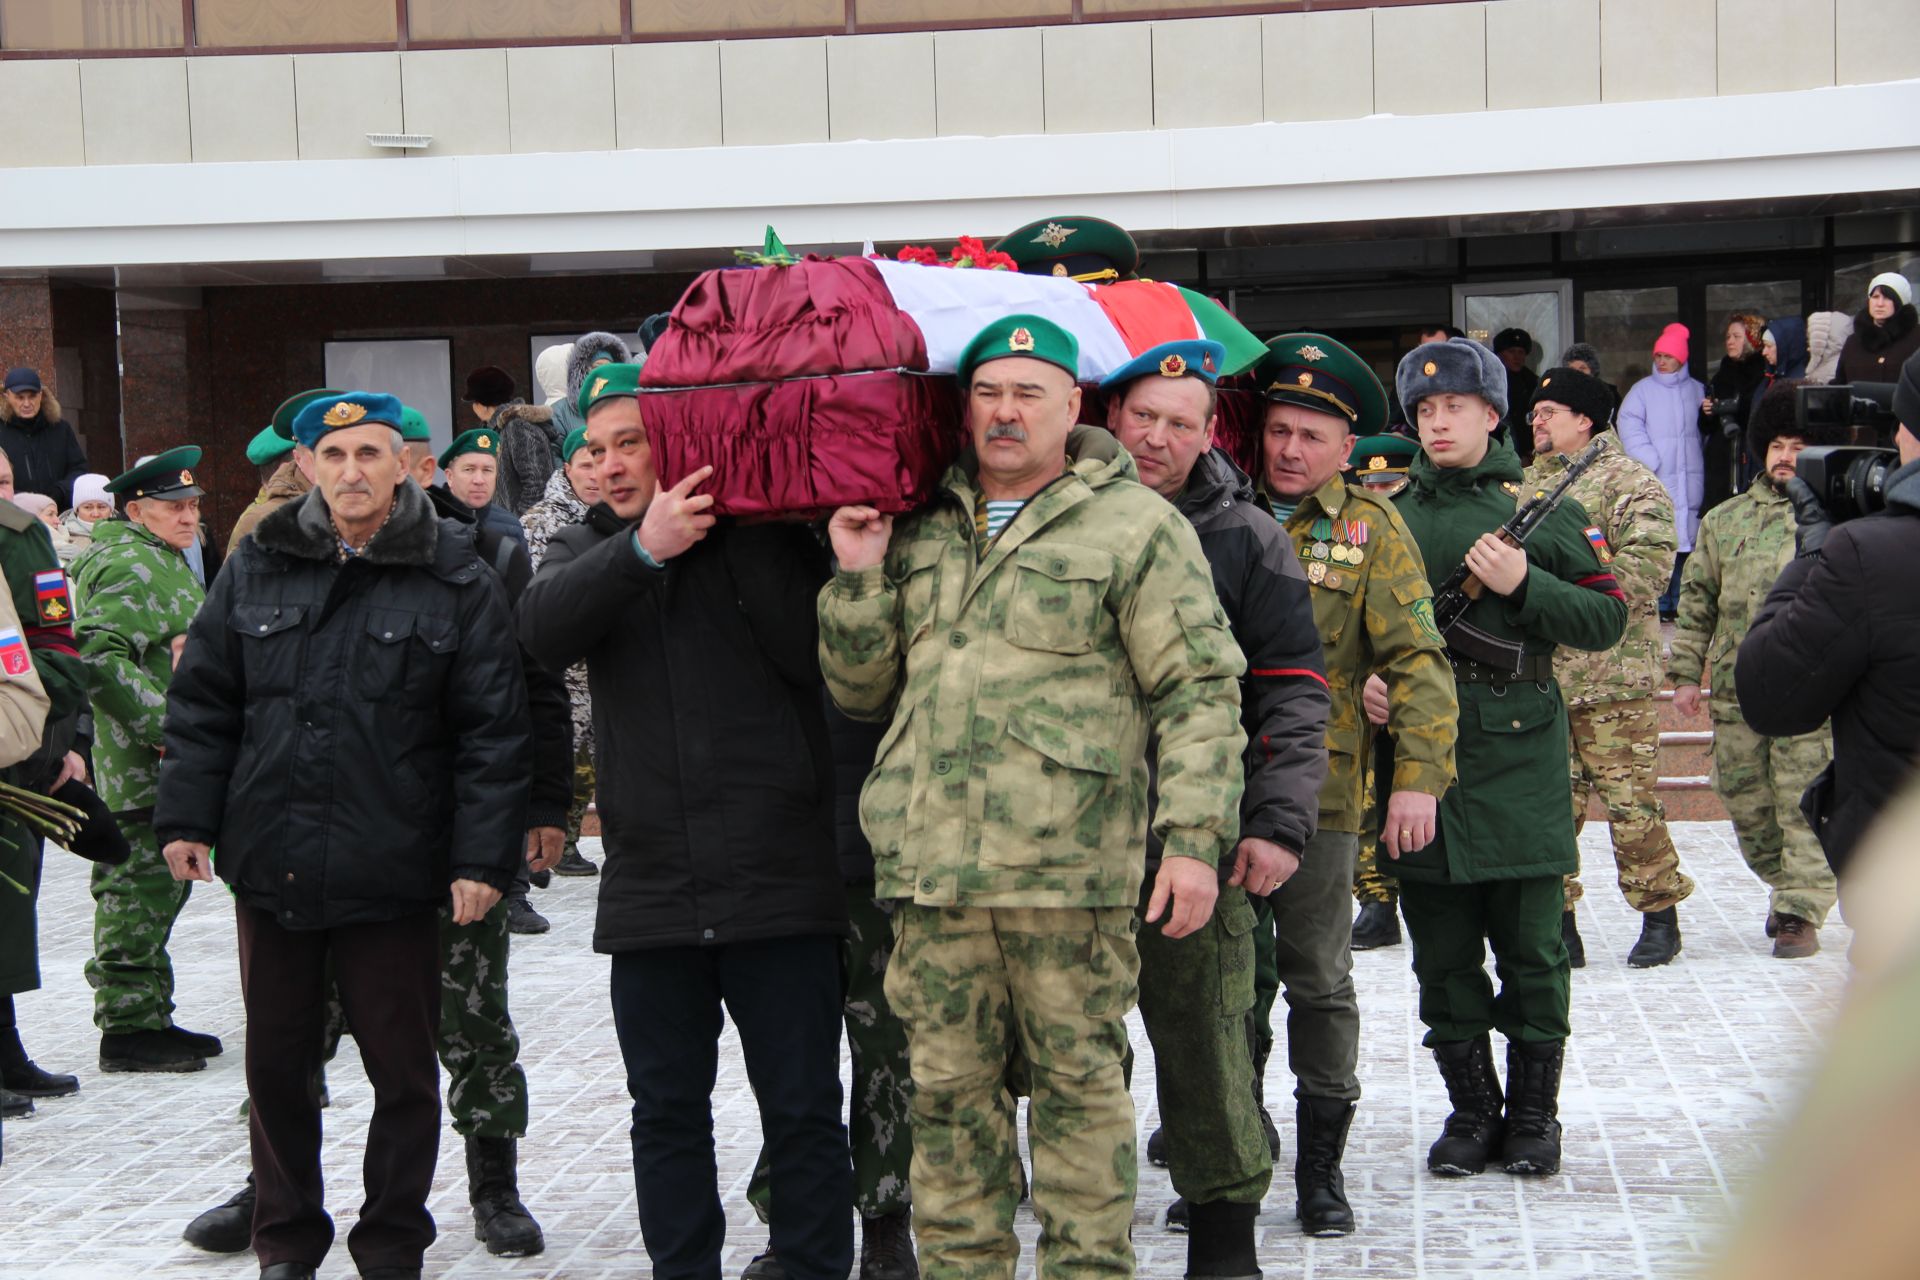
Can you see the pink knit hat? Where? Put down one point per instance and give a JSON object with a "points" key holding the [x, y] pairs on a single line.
{"points": [[1672, 342]]}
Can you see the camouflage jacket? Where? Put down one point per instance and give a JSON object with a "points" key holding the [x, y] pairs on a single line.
{"points": [[137, 593], [1742, 546], [282, 487], [1373, 607], [559, 507], [1023, 685], [1634, 516]]}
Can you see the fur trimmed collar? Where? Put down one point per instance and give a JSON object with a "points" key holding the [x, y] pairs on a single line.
{"points": [[1877, 337], [49, 410], [588, 348], [304, 529]]}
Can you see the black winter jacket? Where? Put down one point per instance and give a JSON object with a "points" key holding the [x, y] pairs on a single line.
{"points": [[45, 453], [715, 774], [350, 737], [855, 743], [1283, 698], [550, 714], [1839, 637], [1743, 380]]}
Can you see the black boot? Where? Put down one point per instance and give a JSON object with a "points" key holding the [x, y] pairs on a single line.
{"points": [[1533, 1106], [1473, 1132], [1659, 939], [572, 863], [1319, 1187], [764, 1266], [199, 1043], [20, 1075], [147, 1051], [14, 1106], [493, 1189], [522, 918], [1377, 925], [886, 1247], [1177, 1216], [1260, 1103], [1220, 1241], [226, 1228], [1570, 934], [1157, 1146]]}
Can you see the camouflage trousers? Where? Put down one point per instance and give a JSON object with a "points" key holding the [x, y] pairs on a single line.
{"points": [[583, 781], [1195, 995], [1616, 753], [477, 1043], [879, 1126], [1303, 945], [134, 907], [977, 986], [1760, 780], [1370, 882]]}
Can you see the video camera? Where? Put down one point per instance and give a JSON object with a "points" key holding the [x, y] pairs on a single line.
{"points": [[1851, 480]]}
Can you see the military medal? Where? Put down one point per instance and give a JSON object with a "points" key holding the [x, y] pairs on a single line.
{"points": [[1333, 580], [1321, 550], [1316, 573]]}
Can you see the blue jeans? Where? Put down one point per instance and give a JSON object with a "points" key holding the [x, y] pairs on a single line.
{"points": [[1670, 601]]}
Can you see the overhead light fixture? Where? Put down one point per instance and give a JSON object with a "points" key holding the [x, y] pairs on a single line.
{"points": [[400, 141]]}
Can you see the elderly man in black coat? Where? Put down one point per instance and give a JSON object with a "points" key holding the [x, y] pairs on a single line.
{"points": [[1839, 637], [349, 725], [721, 884]]}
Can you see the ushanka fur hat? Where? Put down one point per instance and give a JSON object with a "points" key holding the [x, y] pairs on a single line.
{"points": [[1773, 418], [1459, 366], [1578, 392], [598, 347]]}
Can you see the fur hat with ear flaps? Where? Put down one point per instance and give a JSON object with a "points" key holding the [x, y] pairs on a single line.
{"points": [[1773, 418], [1459, 366]]}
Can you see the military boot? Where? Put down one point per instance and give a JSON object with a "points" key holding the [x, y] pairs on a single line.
{"points": [[764, 1266], [14, 1106], [1659, 939], [147, 1051], [198, 1042], [1320, 1189], [1157, 1146], [522, 918], [499, 1219], [1796, 938], [1473, 1132], [1179, 1216], [226, 1228], [1377, 925], [1220, 1241], [20, 1075], [886, 1248], [1533, 1106], [572, 863], [1570, 934], [1260, 1101]]}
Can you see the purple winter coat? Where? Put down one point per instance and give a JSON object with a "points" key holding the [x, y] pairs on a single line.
{"points": [[1659, 427]]}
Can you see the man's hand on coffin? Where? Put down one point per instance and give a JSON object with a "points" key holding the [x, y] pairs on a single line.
{"points": [[859, 536], [677, 518]]}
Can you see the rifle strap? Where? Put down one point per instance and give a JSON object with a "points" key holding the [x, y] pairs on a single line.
{"points": [[1534, 668]]}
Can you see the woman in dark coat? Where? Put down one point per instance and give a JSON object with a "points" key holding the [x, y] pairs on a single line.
{"points": [[1740, 378], [1885, 335]]}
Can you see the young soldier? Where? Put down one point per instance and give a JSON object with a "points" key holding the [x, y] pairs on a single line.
{"points": [[1742, 546], [1616, 731], [1505, 836]]}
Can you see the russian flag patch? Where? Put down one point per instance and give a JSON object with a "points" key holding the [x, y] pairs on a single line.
{"points": [[15, 661], [1599, 541], [50, 595]]}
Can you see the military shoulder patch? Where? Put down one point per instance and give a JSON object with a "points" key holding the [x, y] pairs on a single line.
{"points": [[1424, 620], [15, 661], [51, 597], [1599, 541]]}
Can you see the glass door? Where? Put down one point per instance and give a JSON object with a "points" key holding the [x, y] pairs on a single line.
{"points": [[1544, 308]]}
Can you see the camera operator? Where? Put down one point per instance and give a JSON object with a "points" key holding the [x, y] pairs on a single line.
{"points": [[1839, 637]]}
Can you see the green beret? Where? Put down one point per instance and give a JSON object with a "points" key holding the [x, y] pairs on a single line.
{"points": [[608, 382], [1381, 455], [166, 475], [479, 440], [1079, 248], [1315, 372], [413, 425], [576, 440], [1033, 336], [290, 408], [268, 446]]}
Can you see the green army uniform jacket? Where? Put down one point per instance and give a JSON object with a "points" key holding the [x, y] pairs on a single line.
{"points": [[1508, 817], [1023, 686], [1742, 546], [1373, 607], [136, 594], [1632, 513]]}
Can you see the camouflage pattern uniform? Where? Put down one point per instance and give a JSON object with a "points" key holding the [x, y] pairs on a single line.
{"points": [[1741, 548], [1008, 810], [1372, 607], [1609, 695], [1370, 883], [137, 594], [558, 508]]}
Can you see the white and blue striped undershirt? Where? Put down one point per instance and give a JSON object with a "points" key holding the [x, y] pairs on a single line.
{"points": [[999, 512]]}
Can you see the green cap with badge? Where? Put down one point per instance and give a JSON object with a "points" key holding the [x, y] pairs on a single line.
{"points": [[1036, 337], [576, 441], [608, 382], [290, 408], [268, 445], [1091, 250], [1381, 459], [1315, 372], [479, 440], [413, 425], [166, 475]]}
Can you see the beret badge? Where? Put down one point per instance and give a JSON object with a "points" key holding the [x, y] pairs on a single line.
{"points": [[1173, 366], [344, 414], [1020, 340]]}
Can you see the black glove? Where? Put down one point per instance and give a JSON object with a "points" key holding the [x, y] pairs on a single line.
{"points": [[1811, 521], [99, 839]]}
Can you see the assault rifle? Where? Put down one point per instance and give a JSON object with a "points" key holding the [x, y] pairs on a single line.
{"points": [[1462, 588]]}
